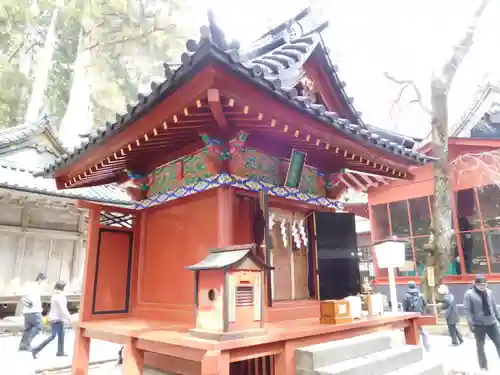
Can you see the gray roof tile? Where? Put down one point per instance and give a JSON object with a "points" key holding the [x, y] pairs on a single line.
{"points": [[266, 73]]}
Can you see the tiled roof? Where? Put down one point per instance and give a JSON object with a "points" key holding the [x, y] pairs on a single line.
{"points": [[21, 132], [22, 179], [272, 70]]}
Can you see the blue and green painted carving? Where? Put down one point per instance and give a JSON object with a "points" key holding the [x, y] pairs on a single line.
{"points": [[309, 181], [165, 178], [224, 150], [295, 168], [259, 166], [196, 168]]}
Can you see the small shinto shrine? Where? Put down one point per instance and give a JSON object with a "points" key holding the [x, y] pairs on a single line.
{"points": [[229, 292], [238, 145]]}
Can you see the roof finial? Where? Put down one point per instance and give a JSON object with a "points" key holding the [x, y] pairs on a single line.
{"points": [[216, 34]]}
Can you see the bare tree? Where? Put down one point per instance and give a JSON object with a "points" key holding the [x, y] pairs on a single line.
{"points": [[439, 247]]}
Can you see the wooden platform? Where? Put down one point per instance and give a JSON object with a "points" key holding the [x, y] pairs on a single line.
{"points": [[185, 354]]}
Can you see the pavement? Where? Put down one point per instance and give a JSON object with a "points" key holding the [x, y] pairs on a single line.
{"points": [[461, 359], [22, 363]]}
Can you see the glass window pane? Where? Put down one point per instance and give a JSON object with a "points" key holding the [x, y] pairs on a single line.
{"points": [[468, 214], [420, 216], [399, 219], [409, 268], [473, 250], [493, 244], [453, 267], [380, 221], [489, 202], [420, 253]]}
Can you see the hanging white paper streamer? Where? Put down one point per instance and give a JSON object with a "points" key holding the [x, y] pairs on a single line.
{"points": [[303, 233], [283, 232]]}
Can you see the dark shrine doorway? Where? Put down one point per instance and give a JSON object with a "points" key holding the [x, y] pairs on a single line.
{"points": [[337, 254]]}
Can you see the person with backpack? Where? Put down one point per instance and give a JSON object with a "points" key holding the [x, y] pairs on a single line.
{"points": [[415, 302], [449, 310], [32, 313], [483, 317]]}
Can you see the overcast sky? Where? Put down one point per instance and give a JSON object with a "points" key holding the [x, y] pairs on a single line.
{"points": [[408, 38]]}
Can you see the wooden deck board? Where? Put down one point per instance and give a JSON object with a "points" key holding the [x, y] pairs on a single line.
{"points": [[177, 334]]}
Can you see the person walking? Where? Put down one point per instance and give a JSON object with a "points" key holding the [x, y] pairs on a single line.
{"points": [[449, 309], [483, 317], [58, 315], [414, 301], [32, 313]]}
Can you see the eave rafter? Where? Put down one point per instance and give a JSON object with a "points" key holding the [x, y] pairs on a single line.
{"points": [[261, 124], [173, 133]]}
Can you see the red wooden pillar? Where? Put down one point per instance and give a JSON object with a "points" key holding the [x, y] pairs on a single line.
{"points": [[80, 364], [90, 264], [412, 332], [284, 362], [215, 363], [225, 216], [133, 358]]}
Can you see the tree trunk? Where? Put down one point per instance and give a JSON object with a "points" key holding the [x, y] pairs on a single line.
{"points": [[35, 102], [439, 248], [77, 117]]}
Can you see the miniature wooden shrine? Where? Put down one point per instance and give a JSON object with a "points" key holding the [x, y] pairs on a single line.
{"points": [[237, 146], [229, 292]]}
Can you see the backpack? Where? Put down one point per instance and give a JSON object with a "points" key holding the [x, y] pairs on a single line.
{"points": [[415, 303]]}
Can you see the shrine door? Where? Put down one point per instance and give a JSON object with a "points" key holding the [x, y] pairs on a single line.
{"points": [[337, 255]]}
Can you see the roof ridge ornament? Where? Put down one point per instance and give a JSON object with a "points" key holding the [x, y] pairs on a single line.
{"points": [[214, 33]]}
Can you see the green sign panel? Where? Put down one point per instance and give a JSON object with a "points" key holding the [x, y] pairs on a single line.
{"points": [[294, 174]]}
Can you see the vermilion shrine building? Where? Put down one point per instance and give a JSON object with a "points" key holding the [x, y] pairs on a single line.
{"points": [[402, 208], [236, 147]]}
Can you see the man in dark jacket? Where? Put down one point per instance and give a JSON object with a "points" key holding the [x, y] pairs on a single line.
{"points": [[449, 309], [414, 301], [483, 317]]}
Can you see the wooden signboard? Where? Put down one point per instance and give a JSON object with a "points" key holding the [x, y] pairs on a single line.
{"points": [[295, 168]]}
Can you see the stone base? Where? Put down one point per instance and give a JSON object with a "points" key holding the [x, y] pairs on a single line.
{"points": [[225, 336]]}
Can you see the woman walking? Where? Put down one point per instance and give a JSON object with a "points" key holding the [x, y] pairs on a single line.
{"points": [[58, 315]]}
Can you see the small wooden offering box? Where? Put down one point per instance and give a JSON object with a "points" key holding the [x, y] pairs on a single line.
{"points": [[335, 312]]}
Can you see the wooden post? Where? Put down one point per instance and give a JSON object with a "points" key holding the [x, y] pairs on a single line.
{"points": [[215, 363], [225, 217], [133, 358], [18, 267], [81, 353], [285, 362], [412, 332], [90, 264]]}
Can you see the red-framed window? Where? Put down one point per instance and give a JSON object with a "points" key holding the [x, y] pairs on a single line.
{"points": [[475, 218]]}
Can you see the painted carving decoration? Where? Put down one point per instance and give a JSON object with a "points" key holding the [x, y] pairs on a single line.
{"points": [[223, 150], [140, 185]]}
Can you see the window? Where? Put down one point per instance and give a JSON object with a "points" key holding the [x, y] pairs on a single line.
{"points": [[244, 295], [492, 238], [380, 221], [420, 216], [289, 256], [489, 203], [399, 219], [467, 210], [409, 220]]}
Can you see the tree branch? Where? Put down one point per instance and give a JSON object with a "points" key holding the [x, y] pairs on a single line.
{"points": [[407, 84], [15, 52], [126, 39], [463, 47]]}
